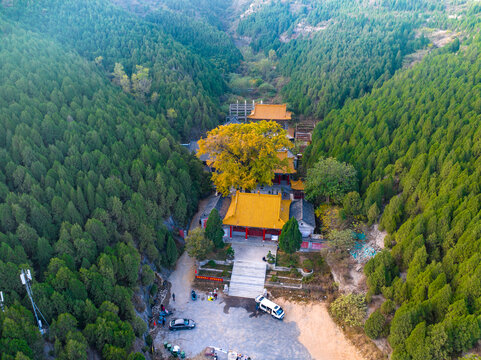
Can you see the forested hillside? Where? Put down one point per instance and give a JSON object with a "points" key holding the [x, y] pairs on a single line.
{"points": [[181, 81], [199, 36], [87, 176], [193, 23], [335, 50], [416, 143]]}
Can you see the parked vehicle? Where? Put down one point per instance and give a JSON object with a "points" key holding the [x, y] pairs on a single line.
{"points": [[269, 307], [181, 324]]}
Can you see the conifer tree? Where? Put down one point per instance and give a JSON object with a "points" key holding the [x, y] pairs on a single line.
{"points": [[291, 238], [172, 253], [214, 230]]}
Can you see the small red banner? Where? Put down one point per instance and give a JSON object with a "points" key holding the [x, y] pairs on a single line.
{"points": [[209, 278]]}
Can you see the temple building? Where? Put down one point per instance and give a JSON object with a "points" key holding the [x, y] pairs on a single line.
{"points": [[264, 215], [283, 175], [297, 189], [270, 112], [256, 214]]}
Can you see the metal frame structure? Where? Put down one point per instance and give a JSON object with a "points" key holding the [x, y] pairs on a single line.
{"points": [[26, 278]]}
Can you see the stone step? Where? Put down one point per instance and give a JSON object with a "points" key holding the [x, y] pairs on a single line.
{"points": [[245, 290], [247, 279], [247, 272]]}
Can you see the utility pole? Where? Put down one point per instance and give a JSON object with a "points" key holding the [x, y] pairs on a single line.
{"points": [[26, 278]]}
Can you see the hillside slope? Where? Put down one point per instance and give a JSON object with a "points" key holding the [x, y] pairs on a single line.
{"points": [[87, 177], [184, 82], [416, 143]]}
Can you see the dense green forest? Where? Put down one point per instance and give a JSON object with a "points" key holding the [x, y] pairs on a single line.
{"points": [[196, 24], [87, 177], [182, 81], [416, 143], [199, 36], [356, 47]]}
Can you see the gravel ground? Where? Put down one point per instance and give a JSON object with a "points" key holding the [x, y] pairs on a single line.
{"points": [[232, 323], [229, 323]]}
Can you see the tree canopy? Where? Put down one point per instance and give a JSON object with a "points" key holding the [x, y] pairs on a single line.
{"points": [[244, 155], [197, 244], [330, 179]]}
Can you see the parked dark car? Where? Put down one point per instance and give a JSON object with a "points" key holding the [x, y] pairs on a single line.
{"points": [[181, 324]]}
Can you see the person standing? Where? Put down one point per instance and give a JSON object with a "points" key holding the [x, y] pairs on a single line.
{"points": [[173, 297]]}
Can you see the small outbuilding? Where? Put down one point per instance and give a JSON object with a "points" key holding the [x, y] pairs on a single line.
{"points": [[303, 211]]}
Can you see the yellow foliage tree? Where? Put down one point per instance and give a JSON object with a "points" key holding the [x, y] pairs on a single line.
{"points": [[244, 155]]}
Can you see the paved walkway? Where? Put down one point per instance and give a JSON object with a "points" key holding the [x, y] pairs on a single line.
{"points": [[249, 272]]}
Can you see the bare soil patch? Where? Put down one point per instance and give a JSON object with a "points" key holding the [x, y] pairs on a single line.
{"points": [[318, 332]]}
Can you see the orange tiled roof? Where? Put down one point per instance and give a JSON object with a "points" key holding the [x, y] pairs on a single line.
{"points": [[258, 210], [297, 185], [270, 112], [289, 169]]}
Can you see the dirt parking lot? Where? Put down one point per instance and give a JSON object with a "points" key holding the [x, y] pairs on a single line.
{"points": [[228, 323], [231, 323]]}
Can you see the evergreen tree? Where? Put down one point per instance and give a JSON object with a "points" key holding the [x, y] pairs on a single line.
{"points": [[214, 230], [171, 253], [291, 238]]}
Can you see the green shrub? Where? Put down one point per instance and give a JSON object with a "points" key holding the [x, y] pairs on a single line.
{"points": [[148, 340], [274, 278], [147, 275], [292, 260], [211, 264], [230, 253], [294, 272], [307, 265], [271, 259], [308, 279], [154, 289], [388, 242], [388, 307], [388, 292], [375, 325], [139, 326], [349, 309], [369, 296]]}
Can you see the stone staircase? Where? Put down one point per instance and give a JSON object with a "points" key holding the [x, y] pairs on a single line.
{"points": [[247, 279]]}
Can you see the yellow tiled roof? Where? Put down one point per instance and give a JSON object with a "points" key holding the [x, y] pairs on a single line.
{"points": [[297, 185], [289, 169], [258, 210], [270, 112]]}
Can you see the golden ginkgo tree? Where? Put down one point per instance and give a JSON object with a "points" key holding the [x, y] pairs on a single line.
{"points": [[244, 155]]}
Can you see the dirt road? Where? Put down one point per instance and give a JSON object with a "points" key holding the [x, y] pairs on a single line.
{"points": [[181, 280]]}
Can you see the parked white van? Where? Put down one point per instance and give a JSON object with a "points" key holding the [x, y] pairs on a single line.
{"points": [[270, 307]]}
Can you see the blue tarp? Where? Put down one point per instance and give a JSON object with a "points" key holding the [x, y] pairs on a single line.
{"points": [[362, 251]]}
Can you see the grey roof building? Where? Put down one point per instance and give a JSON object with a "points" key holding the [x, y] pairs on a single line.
{"points": [[303, 211]]}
